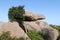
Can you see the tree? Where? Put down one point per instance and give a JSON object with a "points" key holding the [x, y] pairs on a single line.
{"points": [[17, 14]]}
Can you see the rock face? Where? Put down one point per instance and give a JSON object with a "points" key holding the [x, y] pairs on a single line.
{"points": [[31, 26], [30, 23], [14, 29], [43, 28], [30, 16], [46, 29]]}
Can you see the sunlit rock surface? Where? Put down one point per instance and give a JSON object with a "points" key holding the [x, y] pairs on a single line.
{"points": [[31, 16], [14, 29]]}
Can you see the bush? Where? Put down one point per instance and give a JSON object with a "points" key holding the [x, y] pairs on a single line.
{"points": [[34, 35], [16, 14], [6, 36], [55, 26]]}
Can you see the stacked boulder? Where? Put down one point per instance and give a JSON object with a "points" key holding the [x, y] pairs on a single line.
{"points": [[32, 23], [30, 16]]}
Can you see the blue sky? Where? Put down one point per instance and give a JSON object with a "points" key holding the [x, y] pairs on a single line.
{"points": [[49, 8]]}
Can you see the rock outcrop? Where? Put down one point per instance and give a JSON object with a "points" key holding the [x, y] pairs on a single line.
{"points": [[32, 23], [14, 29], [46, 29], [43, 28], [31, 26], [30, 16]]}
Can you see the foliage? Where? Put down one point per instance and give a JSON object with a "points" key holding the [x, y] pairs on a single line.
{"points": [[16, 14], [58, 28], [34, 35], [55, 26], [6, 36]]}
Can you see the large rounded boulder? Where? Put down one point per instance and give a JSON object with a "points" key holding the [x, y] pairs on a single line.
{"points": [[14, 29]]}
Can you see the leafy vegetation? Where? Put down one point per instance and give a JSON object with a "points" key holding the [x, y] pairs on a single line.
{"points": [[6, 36], [34, 35], [16, 14]]}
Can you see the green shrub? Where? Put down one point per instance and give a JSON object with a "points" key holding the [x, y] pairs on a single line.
{"points": [[16, 14], [55, 26], [6, 36], [34, 35]]}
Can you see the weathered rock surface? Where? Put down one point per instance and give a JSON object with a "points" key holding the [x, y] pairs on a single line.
{"points": [[31, 26], [46, 29], [14, 29], [30, 23], [43, 28], [30, 16]]}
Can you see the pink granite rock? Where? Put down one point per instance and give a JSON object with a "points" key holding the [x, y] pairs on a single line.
{"points": [[14, 29], [30, 16], [41, 27]]}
